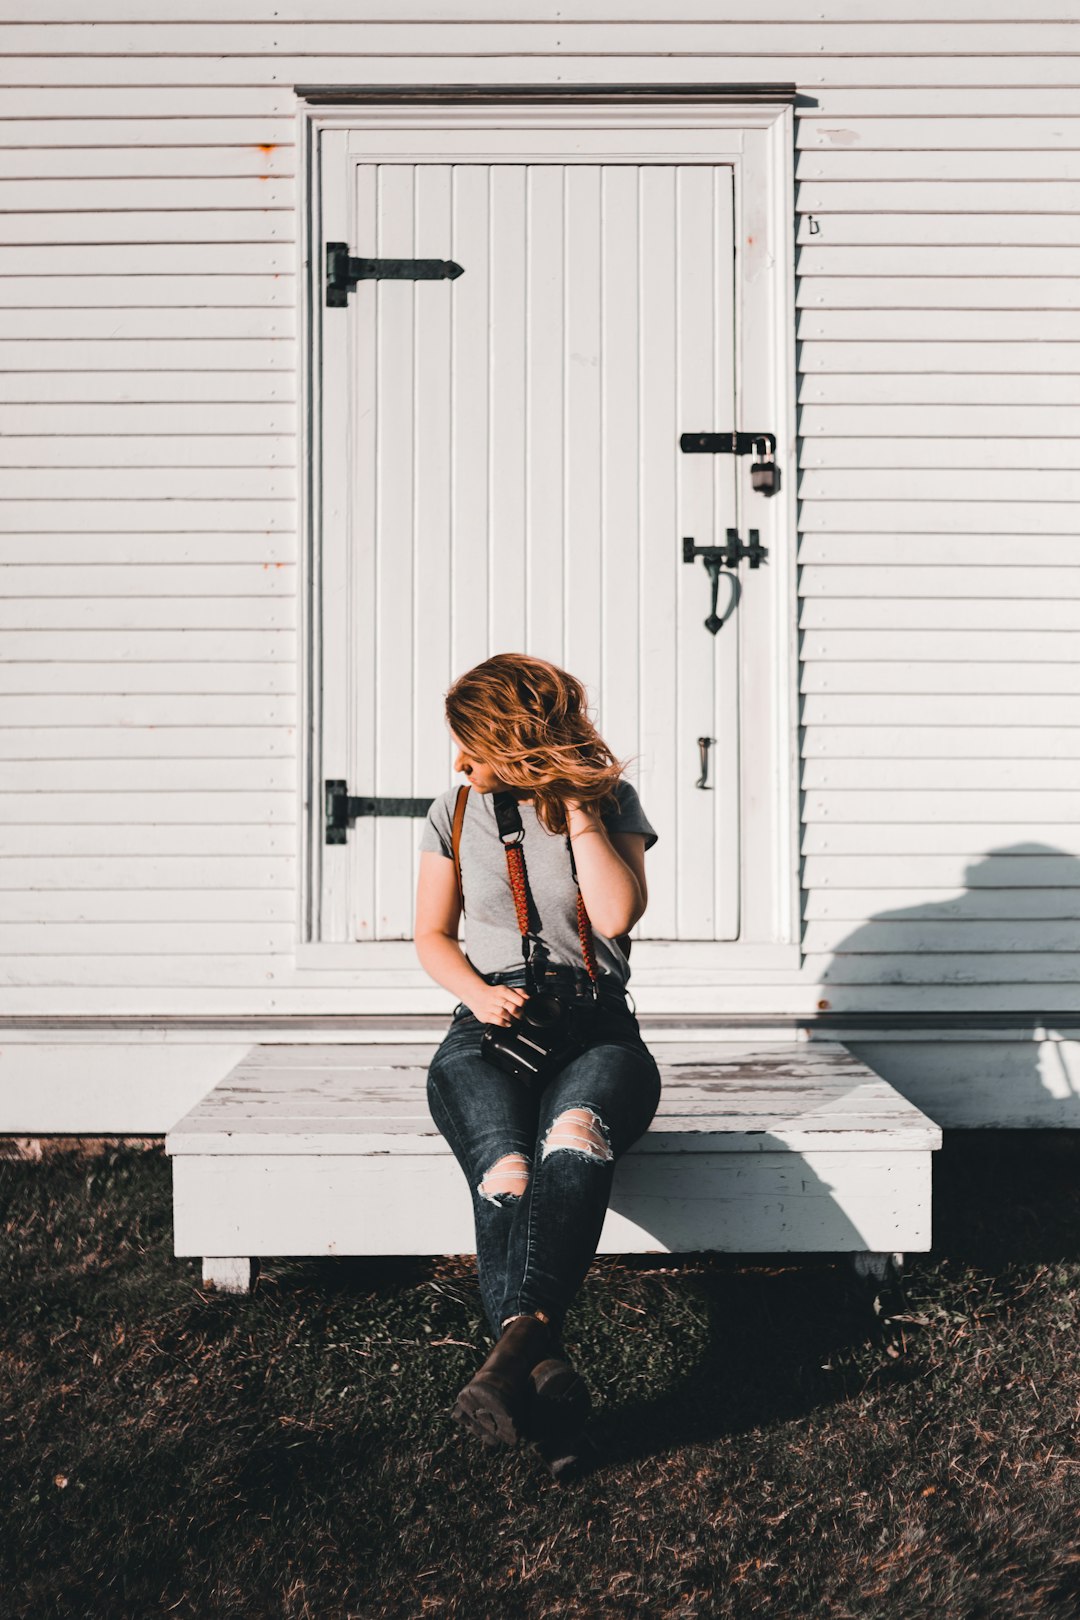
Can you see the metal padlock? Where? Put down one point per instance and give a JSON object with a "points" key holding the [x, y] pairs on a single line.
{"points": [[765, 476]]}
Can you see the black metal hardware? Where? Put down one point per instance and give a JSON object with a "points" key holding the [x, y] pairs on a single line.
{"points": [[764, 474], [343, 272], [703, 745], [731, 444], [341, 809], [715, 557]]}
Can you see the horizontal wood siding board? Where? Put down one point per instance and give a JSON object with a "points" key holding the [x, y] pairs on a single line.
{"points": [[272, 292], [834, 13], [517, 32], [936, 292], [972, 841]]}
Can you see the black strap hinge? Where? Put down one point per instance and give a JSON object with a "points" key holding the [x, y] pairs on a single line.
{"points": [[341, 810], [343, 272]]}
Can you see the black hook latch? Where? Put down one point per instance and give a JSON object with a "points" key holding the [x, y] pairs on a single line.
{"points": [[715, 557]]}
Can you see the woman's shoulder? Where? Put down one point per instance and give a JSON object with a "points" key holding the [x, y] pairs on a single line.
{"points": [[437, 833], [629, 814]]}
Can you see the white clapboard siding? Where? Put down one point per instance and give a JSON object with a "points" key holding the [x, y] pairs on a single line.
{"points": [[836, 15], [998, 903], [24, 200], [968, 774], [1015, 327], [117, 227], [107, 451], [947, 144], [905, 296], [178, 775], [72, 744], [949, 841], [91, 388], [871, 165], [190, 140], [60, 885], [932, 389], [78, 844], [30, 170], [149, 728], [1046, 744], [36, 328], [982, 613], [138, 548], [880, 677], [61, 293], [138, 646]]}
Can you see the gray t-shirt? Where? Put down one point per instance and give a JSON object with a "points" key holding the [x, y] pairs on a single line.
{"points": [[492, 936]]}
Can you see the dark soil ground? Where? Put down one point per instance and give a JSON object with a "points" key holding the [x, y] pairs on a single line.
{"points": [[769, 1444]]}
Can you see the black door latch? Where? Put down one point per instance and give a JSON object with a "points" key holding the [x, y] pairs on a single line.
{"points": [[764, 473]]}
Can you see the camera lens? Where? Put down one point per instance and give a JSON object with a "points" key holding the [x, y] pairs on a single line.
{"points": [[541, 1010]]}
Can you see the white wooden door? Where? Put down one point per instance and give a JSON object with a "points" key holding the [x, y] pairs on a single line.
{"points": [[501, 471]]}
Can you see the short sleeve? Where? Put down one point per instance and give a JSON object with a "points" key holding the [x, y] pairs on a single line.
{"points": [[629, 817], [437, 832]]}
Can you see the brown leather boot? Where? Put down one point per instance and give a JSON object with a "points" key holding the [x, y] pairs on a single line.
{"points": [[559, 1413], [563, 1400], [495, 1404]]}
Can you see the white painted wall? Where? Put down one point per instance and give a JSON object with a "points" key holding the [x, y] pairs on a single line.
{"points": [[148, 516]]}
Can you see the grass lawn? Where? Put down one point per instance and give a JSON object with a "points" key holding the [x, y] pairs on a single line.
{"points": [[768, 1446]]}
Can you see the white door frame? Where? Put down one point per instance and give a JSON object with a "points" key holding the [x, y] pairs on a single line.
{"points": [[512, 124]]}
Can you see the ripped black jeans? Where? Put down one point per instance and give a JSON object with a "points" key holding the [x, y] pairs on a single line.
{"points": [[534, 1248]]}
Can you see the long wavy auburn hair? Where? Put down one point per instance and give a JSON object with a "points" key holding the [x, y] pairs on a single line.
{"points": [[529, 721]]}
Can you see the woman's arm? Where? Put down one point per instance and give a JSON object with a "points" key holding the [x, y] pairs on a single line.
{"points": [[611, 872], [438, 912]]}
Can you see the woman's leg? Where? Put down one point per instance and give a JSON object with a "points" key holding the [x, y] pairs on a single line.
{"points": [[589, 1115], [489, 1120]]}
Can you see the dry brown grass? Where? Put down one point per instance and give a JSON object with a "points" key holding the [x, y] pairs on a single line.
{"points": [[767, 1445]]}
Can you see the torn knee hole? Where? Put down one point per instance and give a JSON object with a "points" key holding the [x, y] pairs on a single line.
{"points": [[508, 1177], [581, 1130]]}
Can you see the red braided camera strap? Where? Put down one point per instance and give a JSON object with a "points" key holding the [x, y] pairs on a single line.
{"points": [[515, 861]]}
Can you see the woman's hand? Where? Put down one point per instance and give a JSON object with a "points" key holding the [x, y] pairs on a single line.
{"points": [[496, 1003], [577, 819]]}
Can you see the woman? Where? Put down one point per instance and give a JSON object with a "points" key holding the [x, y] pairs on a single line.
{"points": [[539, 1154]]}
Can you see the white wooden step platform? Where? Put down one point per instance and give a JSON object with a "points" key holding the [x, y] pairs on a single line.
{"points": [[330, 1150]]}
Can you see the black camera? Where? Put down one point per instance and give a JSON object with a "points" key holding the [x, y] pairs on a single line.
{"points": [[546, 1033]]}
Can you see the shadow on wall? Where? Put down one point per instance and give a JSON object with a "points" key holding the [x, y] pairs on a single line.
{"points": [[1012, 936], [1013, 928]]}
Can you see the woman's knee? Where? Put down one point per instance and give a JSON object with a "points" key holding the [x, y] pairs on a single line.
{"points": [[580, 1130], [508, 1177], [620, 1084]]}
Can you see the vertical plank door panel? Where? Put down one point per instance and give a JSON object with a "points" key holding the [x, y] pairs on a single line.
{"points": [[517, 483], [393, 694]]}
